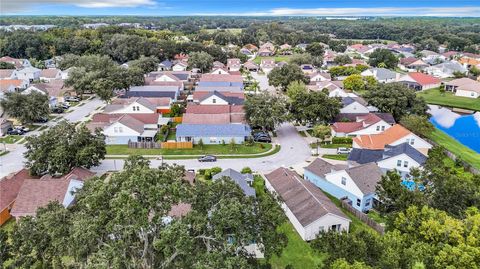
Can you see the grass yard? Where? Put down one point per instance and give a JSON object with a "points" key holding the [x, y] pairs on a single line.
{"points": [[434, 96], [279, 58], [10, 139], [374, 215], [338, 157], [334, 146], [456, 148], [356, 224], [207, 149]]}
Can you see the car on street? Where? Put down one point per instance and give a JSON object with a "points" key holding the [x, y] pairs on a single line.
{"points": [[260, 134], [263, 139], [71, 99], [207, 158], [42, 120], [23, 128], [65, 105], [12, 131], [343, 150]]}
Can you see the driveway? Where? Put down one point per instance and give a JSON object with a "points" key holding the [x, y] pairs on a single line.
{"points": [[263, 82], [294, 150]]}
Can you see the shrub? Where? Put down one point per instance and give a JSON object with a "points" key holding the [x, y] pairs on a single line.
{"points": [[246, 170], [215, 170], [342, 140], [201, 172]]}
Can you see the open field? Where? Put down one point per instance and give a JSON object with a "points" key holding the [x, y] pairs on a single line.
{"points": [[434, 96], [279, 58]]}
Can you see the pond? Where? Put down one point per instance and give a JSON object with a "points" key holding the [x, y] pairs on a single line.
{"points": [[465, 128]]}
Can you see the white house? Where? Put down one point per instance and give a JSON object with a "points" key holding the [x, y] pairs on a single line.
{"points": [[166, 77], [219, 71], [50, 74], [402, 157], [354, 105], [234, 64], [180, 66], [267, 65], [382, 75], [446, 69], [471, 90], [138, 105], [363, 125], [43, 89], [129, 127], [306, 206], [29, 73], [319, 76], [419, 81]]}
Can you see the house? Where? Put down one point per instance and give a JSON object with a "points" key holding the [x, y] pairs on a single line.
{"points": [[18, 63], [165, 66], [363, 125], [351, 117], [302, 46], [213, 133], [446, 69], [157, 91], [8, 74], [419, 81], [50, 74], [37, 193], [246, 51], [218, 98], [357, 184], [402, 157], [220, 80], [382, 75], [285, 47], [355, 105], [218, 64], [29, 73], [334, 88], [219, 71], [319, 76], [306, 206], [214, 114], [9, 189], [251, 66], [464, 87], [267, 65], [5, 124], [412, 64], [431, 56], [43, 89], [267, 49], [139, 105], [180, 66], [234, 64], [244, 181], [119, 129], [394, 135], [469, 62], [12, 85]]}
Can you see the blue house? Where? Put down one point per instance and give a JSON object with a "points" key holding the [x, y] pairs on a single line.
{"points": [[213, 133], [357, 184]]}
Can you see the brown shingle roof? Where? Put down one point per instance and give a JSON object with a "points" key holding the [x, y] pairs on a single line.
{"points": [[10, 186], [221, 78], [306, 201], [321, 167], [49, 73]]}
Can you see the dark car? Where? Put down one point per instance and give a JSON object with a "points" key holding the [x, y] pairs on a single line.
{"points": [[12, 131], [207, 158], [263, 139], [42, 120], [57, 110], [260, 134]]}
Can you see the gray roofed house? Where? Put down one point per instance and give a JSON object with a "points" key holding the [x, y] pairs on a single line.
{"points": [[404, 148], [321, 167], [244, 181], [306, 206], [365, 176], [352, 117], [213, 133], [381, 74], [446, 69], [219, 88], [231, 100], [363, 156], [154, 91], [165, 65]]}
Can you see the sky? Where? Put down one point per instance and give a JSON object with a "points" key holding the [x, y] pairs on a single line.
{"points": [[443, 8]]}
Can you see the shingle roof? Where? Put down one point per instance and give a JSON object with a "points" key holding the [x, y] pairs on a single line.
{"points": [[206, 118], [365, 176], [423, 79], [240, 179], [231, 100], [404, 148], [50, 73], [213, 130], [221, 78], [387, 117], [10, 186], [132, 123], [378, 141], [232, 88], [306, 201], [349, 100], [321, 167], [6, 73], [198, 95], [166, 63], [362, 156]]}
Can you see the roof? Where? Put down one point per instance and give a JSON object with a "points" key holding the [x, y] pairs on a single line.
{"points": [[365, 176], [423, 79], [179, 210], [6, 73], [6, 83], [347, 127], [214, 130], [449, 66], [362, 156], [404, 148], [408, 60], [166, 63], [10, 186], [153, 91], [221, 78], [387, 117], [378, 141], [240, 179], [350, 100], [307, 202], [321, 167], [206, 118], [231, 100], [200, 95], [460, 82], [50, 73], [146, 118], [383, 73], [232, 88]]}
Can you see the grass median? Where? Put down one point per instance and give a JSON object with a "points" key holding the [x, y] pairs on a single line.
{"points": [[436, 97]]}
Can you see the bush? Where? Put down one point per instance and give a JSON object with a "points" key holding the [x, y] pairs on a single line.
{"points": [[342, 140], [246, 170], [215, 170], [164, 129], [208, 174], [201, 172]]}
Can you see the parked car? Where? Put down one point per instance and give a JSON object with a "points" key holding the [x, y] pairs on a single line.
{"points": [[263, 139], [23, 128], [42, 120], [57, 110], [65, 105], [207, 158], [260, 134], [343, 150], [71, 99], [12, 131]]}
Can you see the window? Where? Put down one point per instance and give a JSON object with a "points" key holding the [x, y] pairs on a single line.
{"points": [[367, 202], [383, 127], [378, 128], [412, 141], [134, 107], [359, 202], [344, 181], [399, 163], [472, 94], [405, 164], [214, 100], [115, 129], [335, 227]]}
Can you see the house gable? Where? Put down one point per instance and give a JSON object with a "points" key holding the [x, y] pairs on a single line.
{"points": [[337, 177], [118, 129]]}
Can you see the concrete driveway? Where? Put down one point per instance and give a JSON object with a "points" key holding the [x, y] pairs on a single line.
{"points": [[263, 82], [294, 151]]}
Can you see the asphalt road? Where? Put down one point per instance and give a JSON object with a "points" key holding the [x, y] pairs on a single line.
{"points": [[294, 150]]}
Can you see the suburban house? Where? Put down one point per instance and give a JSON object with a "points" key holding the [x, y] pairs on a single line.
{"points": [[171, 76], [357, 184], [37, 193], [42, 88], [412, 64], [334, 88], [214, 114], [50, 74], [306, 206], [5, 124], [18, 63], [394, 135], [352, 117], [29, 73], [9, 188], [464, 87], [156, 91], [219, 71], [319, 77], [363, 125], [307, 68], [446, 69], [469, 62], [286, 49], [431, 56], [234, 64], [165, 66], [180, 66], [355, 105], [218, 98], [251, 66], [8, 74], [267, 49], [382, 75], [12, 85], [54, 89], [267, 65], [244, 181], [139, 105], [213, 133], [119, 129], [419, 81], [218, 64], [220, 80]]}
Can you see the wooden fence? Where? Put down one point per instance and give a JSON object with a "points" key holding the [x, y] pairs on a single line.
{"points": [[144, 145], [176, 145], [363, 217]]}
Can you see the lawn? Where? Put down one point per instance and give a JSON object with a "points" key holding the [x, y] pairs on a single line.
{"points": [[338, 157], [10, 139], [356, 224], [334, 146], [456, 148], [434, 96], [279, 58], [374, 215], [207, 149]]}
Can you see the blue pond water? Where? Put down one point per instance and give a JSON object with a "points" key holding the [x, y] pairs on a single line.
{"points": [[464, 128]]}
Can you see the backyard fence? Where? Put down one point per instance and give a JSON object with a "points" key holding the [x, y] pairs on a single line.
{"points": [[144, 145], [363, 217], [176, 145]]}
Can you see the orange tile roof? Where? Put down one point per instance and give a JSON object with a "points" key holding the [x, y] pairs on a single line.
{"points": [[378, 141], [469, 61], [424, 79]]}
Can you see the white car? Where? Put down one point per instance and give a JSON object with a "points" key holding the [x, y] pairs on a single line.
{"points": [[343, 150]]}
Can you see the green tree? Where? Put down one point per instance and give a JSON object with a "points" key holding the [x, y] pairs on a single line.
{"points": [[246, 170], [146, 64], [384, 56], [5, 65], [314, 108], [63, 147], [265, 110], [354, 83], [201, 60], [200, 143], [420, 125], [301, 58], [282, 76], [321, 131], [342, 59], [26, 108], [295, 88], [315, 49], [4, 247], [343, 264]]}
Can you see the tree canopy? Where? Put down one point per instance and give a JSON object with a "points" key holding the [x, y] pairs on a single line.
{"points": [[265, 110], [26, 108], [383, 58], [282, 76]]}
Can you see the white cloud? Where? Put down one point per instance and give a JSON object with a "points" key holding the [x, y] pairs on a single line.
{"points": [[14, 6], [373, 11]]}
